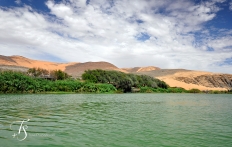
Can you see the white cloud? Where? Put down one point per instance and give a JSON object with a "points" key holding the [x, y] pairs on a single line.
{"points": [[109, 30], [221, 44], [18, 2], [230, 7]]}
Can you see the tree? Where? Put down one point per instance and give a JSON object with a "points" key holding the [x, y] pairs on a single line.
{"points": [[36, 72], [59, 75], [121, 80]]}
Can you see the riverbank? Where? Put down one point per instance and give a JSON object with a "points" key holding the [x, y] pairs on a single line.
{"points": [[17, 82]]}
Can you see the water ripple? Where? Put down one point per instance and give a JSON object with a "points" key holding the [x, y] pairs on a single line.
{"points": [[131, 120]]}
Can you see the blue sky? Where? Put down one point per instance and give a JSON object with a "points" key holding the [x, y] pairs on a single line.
{"points": [[194, 34]]}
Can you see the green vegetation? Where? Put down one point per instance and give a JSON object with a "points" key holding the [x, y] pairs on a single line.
{"points": [[17, 82], [95, 81], [161, 90], [122, 81], [194, 91], [218, 92], [55, 74], [230, 91], [36, 72], [59, 75]]}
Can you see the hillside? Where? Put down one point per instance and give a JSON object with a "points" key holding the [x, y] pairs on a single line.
{"points": [[76, 70], [29, 63], [193, 79], [187, 79], [141, 69], [14, 68]]}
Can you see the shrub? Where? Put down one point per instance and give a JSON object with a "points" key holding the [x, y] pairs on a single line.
{"points": [[17, 82], [194, 90], [121, 80]]}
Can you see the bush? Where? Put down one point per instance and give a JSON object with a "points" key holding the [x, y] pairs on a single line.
{"points": [[194, 90], [17, 82], [176, 90], [121, 80], [12, 82]]}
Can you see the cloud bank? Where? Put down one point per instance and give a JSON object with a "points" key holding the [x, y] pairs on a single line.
{"points": [[167, 34]]}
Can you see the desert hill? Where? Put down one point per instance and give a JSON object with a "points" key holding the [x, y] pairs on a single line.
{"points": [[187, 79], [29, 63], [76, 70], [141, 69]]}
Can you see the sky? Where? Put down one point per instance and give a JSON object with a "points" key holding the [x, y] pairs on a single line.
{"points": [[189, 34]]}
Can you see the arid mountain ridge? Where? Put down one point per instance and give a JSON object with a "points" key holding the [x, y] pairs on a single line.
{"points": [[187, 79]]}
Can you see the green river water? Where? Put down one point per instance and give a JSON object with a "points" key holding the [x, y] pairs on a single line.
{"points": [[116, 120]]}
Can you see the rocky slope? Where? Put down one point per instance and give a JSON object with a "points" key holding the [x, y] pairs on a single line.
{"points": [[217, 80], [193, 79]]}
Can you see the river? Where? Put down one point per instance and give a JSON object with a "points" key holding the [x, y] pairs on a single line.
{"points": [[116, 120]]}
